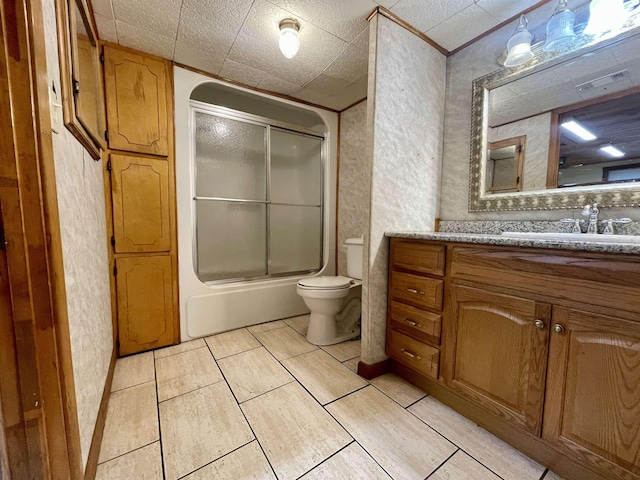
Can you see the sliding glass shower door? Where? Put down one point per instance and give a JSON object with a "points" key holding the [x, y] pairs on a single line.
{"points": [[258, 197]]}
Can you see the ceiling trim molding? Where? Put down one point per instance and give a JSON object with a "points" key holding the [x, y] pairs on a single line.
{"points": [[407, 26], [499, 26], [353, 104], [249, 87]]}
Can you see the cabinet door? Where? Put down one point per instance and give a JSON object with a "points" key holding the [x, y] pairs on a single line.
{"points": [[136, 102], [145, 303], [592, 407], [497, 356], [141, 214]]}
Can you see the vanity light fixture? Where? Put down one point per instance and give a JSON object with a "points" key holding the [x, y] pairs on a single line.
{"points": [[560, 31], [289, 40], [612, 150], [574, 127], [519, 45], [605, 16]]}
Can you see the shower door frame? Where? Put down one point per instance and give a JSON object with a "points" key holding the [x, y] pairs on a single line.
{"points": [[196, 106]]}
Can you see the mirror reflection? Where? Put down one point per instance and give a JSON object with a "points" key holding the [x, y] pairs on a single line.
{"points": [[504, 165]]}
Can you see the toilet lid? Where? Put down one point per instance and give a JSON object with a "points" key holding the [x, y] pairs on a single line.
{"points": [[325, 282]]}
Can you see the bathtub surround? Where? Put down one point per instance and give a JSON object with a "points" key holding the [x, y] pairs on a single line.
{"points": [[474, 61], [405, 131], [86, 269], [353, 179]]}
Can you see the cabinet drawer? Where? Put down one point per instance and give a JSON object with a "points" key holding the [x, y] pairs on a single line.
{"points": [[419, 324], [417, 290], [413, 354], [419, 257]]}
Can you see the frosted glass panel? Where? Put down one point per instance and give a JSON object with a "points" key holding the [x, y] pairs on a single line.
{"points": [[296, 168], [295, 238], [231, 240], [230, 158]]}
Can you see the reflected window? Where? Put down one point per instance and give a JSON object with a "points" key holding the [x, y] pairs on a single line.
{"points": [[505, 159]]}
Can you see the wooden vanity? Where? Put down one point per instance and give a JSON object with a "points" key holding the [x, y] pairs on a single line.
{"points": [[539, 346]]}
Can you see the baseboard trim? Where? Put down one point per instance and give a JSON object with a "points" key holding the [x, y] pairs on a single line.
{"points": [[374, 370], [96, 441]]}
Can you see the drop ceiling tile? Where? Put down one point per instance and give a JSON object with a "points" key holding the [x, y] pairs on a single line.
{"points": [[388, 4], [158, 16], [239, 72], [106, 28], [462, 27], [310, 96], [350, 65], [426, 14], [343, 19], [102, 7], [144, 40], [362, 40], [348, 96], [299, 8], [277, 85], [504, 9], [209, 32], [197, 57], [234, 11], [317, 47], [327, 85]]}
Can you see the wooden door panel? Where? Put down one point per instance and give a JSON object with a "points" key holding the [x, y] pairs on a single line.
{"points": [[136, 102], [499, 355], [140, 193], [145, 303], [593, 394]]}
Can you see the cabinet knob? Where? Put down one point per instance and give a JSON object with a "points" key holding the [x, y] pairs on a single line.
{"points": [[539, 324], [558, 328]]}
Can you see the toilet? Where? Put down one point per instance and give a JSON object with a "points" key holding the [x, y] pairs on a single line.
{"points": [[335, 301]]}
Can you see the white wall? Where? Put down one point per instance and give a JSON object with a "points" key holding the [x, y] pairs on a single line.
{"points": [[353, 179], [84, 248], [405, 128]]}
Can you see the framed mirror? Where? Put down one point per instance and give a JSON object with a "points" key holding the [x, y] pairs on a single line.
{"points": [[80, 74], [595, 84]]}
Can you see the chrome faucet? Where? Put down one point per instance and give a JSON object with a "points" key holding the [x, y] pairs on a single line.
{"points": [[591, 211]]}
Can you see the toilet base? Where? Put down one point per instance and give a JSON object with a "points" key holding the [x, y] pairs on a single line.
{"points": [[323, 330]]}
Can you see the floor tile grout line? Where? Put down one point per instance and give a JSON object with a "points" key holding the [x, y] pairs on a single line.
{"points": [[216, 459], [257, 440], [179, 353], [396, 401], [155, 374], [326, 459], [132, 386], [130, 451], [190, 391], [544, 474], [238, 353], [268, 391], [413, 403], [345, 395], [445, 461]]}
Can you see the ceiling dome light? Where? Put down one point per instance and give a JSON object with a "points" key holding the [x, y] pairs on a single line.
{"points": [[605, 16], [519, 45], [289, 39], [560, 28]]}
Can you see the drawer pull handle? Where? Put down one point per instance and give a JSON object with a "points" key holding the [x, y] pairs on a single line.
{"points": [[410, 355], [417, 292], [412, 323]]}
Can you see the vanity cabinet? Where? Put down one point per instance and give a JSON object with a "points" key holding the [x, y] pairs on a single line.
{"points": [[541, 347]]}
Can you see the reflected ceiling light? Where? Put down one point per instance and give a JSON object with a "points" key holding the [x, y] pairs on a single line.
{"points": [[574, 127], [560, 28], [519, 45], [605, 16], [612, 150], [289, 40]]}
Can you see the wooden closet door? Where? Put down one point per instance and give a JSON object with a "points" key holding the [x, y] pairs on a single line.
{"points": [[136, 101], [592, 406], [141, 214], [499, 356], [145, 303]]}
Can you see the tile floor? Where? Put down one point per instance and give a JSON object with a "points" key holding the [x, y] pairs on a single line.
{"points": [[263, 403]]}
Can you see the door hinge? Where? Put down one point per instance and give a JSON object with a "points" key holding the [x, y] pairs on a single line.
{"points": [[519, 148], [108, 165], [3, 240], [76, 87], [106, 135], [517, 180], [102, 58], [113, 241], [115, 270]]}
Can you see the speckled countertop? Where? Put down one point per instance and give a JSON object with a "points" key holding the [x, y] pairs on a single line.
{"points": [[586, 246]]}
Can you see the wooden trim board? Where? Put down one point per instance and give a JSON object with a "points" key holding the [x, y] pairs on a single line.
{"points": [[374, 370]]}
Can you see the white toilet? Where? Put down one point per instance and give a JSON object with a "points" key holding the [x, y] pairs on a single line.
{"points": [[335, 301]]}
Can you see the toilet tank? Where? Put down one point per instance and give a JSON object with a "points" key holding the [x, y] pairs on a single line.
{"points": [[354, 257]]}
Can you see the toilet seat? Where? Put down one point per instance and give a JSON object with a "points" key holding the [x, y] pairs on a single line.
{"points": [[325, 283]]}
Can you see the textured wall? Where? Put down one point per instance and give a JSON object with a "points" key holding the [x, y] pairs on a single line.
{"points": [[84, 249], [407, 129], [538, 130], [353, 179], [477, 60]]}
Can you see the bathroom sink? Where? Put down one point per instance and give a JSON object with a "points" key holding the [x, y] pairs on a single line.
{"points": [[574, 237]]}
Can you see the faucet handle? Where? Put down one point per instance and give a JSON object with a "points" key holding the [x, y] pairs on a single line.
{"points": [[576, 224], [608, 229]]}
